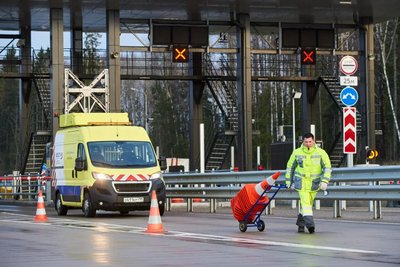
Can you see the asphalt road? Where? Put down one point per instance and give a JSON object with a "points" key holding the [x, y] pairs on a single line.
{"points": [[196, 239]]}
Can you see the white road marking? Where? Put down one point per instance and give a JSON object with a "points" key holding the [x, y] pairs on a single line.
{"points": [[105, 227], [342, 220], [265, 242]]}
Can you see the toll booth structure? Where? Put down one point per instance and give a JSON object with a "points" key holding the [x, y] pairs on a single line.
{"points": [[229, 55]]}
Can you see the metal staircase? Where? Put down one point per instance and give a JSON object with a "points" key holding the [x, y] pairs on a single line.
{"points": [[38, 132], [37, 151], [224, 94], [336, 153], [41, 67], [34, 147], [219, 150]]}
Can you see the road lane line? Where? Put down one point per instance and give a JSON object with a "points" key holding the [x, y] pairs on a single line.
{"points": [[265, 242], [104, 227]]}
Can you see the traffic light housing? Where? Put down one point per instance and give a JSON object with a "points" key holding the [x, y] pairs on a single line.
{"points": [[308, 56], [371, 154], [180, 54]]}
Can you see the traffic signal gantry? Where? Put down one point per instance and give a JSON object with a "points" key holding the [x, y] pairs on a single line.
{"points": [[180, 54]]}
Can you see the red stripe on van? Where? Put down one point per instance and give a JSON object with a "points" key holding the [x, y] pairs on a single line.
{"points": [[131, 177]]}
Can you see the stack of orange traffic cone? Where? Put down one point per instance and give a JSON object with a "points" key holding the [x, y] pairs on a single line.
{"points": [[154, 225], [40, 211], [250, 195]]}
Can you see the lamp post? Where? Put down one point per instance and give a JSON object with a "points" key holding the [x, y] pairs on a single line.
{"points": [[145, 107], [295, 95]]}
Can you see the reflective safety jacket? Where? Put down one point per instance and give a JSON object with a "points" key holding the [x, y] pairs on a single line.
{"points": [[306, 168]]}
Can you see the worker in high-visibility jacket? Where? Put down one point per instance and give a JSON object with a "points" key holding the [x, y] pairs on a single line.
{"points": [[308, 170]]}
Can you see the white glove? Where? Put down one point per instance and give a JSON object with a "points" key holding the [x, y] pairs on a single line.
{"points": [[323, 186]]}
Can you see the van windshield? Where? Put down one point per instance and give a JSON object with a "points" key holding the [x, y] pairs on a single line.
{"points": [[122, 154]]}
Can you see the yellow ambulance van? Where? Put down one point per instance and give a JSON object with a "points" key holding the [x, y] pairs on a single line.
{"points": [[101, 162]]}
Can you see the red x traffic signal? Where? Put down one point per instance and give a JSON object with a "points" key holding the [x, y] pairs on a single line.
{"points": [[308, 56], [180, 54]]}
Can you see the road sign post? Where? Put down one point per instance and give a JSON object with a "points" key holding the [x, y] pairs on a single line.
{"points": [[349, 132], [349, 97]]}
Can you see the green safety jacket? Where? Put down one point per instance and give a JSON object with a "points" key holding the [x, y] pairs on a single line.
{"points": [[307, 168]]}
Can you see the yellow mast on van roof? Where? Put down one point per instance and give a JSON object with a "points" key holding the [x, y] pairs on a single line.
{"points": [[89, 119]]}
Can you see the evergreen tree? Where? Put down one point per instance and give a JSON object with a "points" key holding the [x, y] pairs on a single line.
{"points": [[170, 119], [9, 132], [92, 63]]}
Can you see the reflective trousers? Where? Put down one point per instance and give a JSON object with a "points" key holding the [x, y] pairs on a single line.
{"points": [[305, 217]]}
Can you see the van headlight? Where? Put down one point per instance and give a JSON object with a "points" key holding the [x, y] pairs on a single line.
{"points": [[157, 175], [101, 176]]}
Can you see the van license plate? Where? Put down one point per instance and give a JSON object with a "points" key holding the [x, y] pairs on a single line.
{"points": [[133, 199]]}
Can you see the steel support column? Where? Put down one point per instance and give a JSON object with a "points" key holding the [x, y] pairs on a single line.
{"points": [[196, 111], [245, 136], [57, 68], [76, 38], [363, 92], [114, 63], [369, 58], [26, 67]]}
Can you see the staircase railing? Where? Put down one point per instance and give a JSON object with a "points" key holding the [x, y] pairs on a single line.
{"points": [[224, 95], [337, 157], [38, 116], [41, 80], [223, 92], [35, 123]]}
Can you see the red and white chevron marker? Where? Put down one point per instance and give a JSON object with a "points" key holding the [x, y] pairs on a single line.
{"points": [[350, 128]]}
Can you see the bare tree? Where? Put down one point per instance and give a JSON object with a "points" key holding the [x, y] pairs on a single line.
{"points": [[385, 35]]}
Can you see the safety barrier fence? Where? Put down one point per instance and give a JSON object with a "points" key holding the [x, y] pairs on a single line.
{"points": [[25, 187], [365, 183], [362, 183]]}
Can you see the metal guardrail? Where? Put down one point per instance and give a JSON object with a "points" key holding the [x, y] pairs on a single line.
{"points": [[356, 183], [25, 187], [353, 174]]}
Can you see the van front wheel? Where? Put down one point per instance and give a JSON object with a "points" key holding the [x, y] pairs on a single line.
{"points": [[87, 207], [60, 208]]}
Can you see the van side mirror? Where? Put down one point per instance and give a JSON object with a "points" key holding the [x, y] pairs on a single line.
{"points": [[80, 164], [163, 163]]}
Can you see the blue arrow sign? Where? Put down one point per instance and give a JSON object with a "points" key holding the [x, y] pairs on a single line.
{"points": [[349, 96]]}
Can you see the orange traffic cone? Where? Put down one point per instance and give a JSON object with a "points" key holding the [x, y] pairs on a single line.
{"points": [[269, 181], [40, 211], [154, 225], [177, 200]]}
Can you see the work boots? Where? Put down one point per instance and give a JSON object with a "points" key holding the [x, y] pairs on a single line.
{"points": [[309, 222], [305, 221], [300, 223]]}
